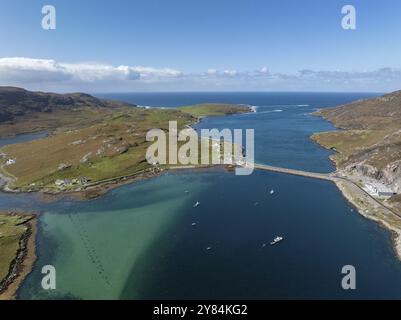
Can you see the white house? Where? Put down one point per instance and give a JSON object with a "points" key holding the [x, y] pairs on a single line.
{"points": [[11, 161]]}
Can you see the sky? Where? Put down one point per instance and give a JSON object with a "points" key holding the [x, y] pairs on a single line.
{"points": [[201, 45]]}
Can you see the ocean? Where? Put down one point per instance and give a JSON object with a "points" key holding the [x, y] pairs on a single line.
{"points": [[147, 241]]}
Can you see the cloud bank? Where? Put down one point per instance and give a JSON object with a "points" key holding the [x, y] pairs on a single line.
{"points": [[48, 74]]}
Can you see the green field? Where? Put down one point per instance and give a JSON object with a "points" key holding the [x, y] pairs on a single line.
{"points": [[99, 145], [12, 228]]}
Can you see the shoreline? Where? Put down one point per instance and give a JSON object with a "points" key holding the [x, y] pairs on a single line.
{"points": [[366, 207], [383, 215], [95, 192], [23, 264]]}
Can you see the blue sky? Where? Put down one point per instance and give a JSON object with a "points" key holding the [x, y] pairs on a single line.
{"points": [[173, 45]]}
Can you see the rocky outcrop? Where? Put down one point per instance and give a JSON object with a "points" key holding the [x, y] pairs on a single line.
{"points": [[389, 176]]}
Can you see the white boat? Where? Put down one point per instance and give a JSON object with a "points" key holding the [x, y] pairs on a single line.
{"points": [[208, 248], [197, 204], [272, 192], [194, 224], [276, 240]]}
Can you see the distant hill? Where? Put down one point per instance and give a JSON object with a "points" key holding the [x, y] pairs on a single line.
{"points": [[15, 102], [367, 114]]}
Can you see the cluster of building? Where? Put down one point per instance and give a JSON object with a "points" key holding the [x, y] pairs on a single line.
{"points": [[71, 182]]}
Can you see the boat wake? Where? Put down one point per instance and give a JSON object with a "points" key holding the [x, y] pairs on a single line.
{"points": [[272, 111]]}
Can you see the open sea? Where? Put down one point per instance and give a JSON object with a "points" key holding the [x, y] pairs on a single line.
{"points": [[146, 241]]}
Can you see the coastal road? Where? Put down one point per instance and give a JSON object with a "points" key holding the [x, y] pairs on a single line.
{"points": [[321, 176]]}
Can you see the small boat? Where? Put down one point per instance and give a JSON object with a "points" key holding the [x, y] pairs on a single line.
{"points": [[186, 191], [271, 191], [197, 204], [194, 224], [209, 248], [276, 240], [264, 245]]}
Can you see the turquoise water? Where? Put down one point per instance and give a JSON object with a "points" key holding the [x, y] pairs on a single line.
{"points": [[139, 241]]}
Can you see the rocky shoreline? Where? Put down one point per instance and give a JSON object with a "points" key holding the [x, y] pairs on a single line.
{"points": [[373, 211], [23, 263]]}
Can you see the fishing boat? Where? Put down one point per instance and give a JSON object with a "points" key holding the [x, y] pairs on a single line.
{"points": [[276, 240]]}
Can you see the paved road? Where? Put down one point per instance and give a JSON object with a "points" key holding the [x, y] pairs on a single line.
{"points": [[322, 176]]}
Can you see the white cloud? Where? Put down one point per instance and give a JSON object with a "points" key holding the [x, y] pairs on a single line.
{"points": [[212, 72], [231, 73], [41, 70], [51, 75], [264, 70]]}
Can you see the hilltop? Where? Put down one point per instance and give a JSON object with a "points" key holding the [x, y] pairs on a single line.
{"points": [[23, 111], [16, 102]]}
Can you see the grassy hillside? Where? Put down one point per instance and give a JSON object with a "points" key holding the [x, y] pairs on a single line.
{"points": [[88, 143], [214, 109], [12, 229], [113, 146], [371, 131], [369, 146]]}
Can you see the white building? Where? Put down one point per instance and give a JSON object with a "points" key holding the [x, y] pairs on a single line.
{"points": [[379, 190], [11, 161]]}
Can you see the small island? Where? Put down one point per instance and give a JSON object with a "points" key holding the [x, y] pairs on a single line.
{"points": [[17, 251]]}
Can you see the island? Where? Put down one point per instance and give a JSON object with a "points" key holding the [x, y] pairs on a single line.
{"points": [[17, 251], [92, 144], [367, 152]]}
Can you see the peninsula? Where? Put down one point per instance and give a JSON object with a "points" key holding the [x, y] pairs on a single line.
{"points": [[91, 143]]}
